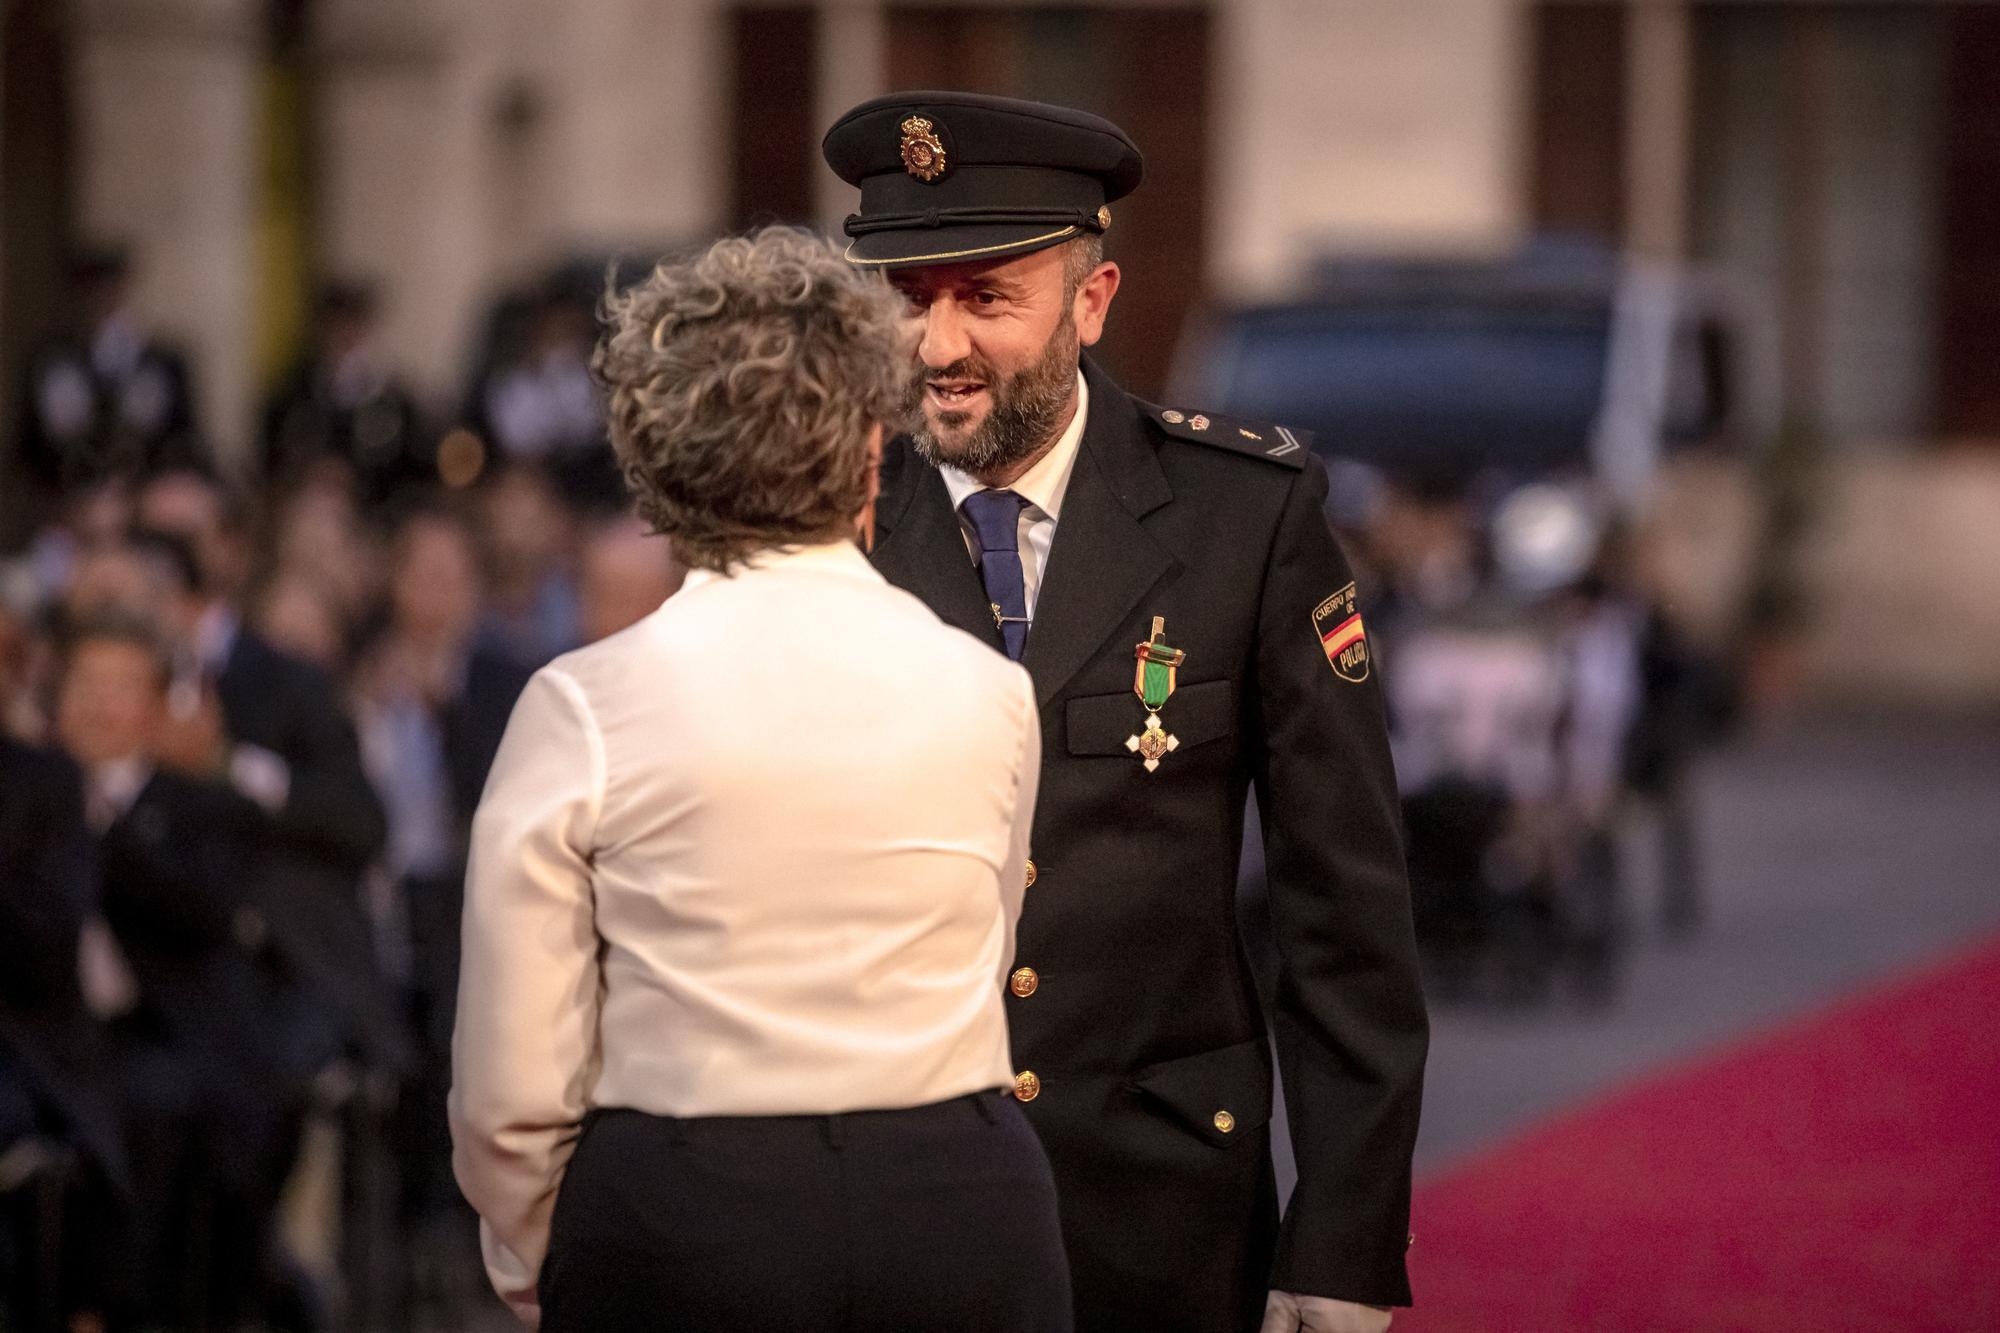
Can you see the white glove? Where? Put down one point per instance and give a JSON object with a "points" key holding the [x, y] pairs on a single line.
{"points": [[1287, 1313]]}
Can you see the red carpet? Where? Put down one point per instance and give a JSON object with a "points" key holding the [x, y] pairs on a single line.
{"points": [[1840, 1173]]}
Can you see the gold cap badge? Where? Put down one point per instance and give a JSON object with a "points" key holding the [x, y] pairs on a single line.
{"points": [[923, 153]]}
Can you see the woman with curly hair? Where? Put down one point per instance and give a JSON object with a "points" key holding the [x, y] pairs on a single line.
{"points": [[731, 1051]]}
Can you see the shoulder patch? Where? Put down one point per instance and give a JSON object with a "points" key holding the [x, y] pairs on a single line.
{"points": [[1259, 439]]}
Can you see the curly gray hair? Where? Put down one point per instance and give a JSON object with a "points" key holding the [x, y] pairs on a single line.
{"points": [[742, 386]]}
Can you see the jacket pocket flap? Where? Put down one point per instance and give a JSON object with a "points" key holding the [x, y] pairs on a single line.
{"points": [[1101, 723], [1222, 1095]]}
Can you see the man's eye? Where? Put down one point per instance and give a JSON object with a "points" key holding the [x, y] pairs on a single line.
{"points": [[986, 298]]}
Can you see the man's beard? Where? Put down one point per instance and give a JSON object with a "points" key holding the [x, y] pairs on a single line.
{"points": [[1026, 408]]}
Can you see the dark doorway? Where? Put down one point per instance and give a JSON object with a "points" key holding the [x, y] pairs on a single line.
{"points": [[1969, 277], [1578, 129], [776, 157], [34, 199]]}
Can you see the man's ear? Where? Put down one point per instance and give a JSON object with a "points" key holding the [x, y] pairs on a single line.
{"points": [[1093, 303]]}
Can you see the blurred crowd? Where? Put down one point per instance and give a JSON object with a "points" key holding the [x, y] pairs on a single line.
{"points": [[247, 709], [246, 712], [1541, 704]]}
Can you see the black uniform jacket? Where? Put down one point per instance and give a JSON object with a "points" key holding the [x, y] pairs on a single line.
{"points": [[145, 421], [1142, 1023], [321, 842], [52, 1060], [381, 438], [180, 869]]}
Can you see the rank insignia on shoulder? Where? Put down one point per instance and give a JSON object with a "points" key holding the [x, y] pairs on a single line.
{"points": [[1257, 439], [1341, 635]]}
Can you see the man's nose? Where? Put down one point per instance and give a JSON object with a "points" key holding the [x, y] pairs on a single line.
{"points": [[944, 341]]}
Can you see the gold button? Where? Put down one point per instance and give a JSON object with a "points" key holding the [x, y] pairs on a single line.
{"points": [[1411, 1241], [1031, 875], [1023, 982], [1225, 1121], [1026, 1086]]}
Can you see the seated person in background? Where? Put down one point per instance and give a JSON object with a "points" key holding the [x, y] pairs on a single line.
{"points": [[626, 572], [54, 1101], [317, 533], [208, 1110], [279, 729], [293, 613], [528, 538], [89, 518]]}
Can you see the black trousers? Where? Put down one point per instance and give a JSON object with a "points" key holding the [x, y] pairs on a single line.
{"points": [[936, 1217]]}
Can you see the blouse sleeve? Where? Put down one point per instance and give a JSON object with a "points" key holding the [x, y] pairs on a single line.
{"points": [[525, 1050], [1028, 776]]}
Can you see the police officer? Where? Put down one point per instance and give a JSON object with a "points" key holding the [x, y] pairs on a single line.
{"points": [[1168, 579], [105, 398]]}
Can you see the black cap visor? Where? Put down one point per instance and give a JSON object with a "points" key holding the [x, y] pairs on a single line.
{"points": [[977, 212], [911, 247]]}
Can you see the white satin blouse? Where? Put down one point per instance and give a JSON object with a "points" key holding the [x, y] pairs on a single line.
{"points": [[760, 854]]}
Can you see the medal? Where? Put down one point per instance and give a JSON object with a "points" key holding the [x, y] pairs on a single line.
{"points": [[1153, 682]]}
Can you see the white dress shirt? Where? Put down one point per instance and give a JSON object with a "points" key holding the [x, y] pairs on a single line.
{"points": [[760, 854], [1042, 486]]}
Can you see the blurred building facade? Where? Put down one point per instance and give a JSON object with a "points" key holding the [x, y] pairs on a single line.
{"points": [[1834, 162], [444, 147]]}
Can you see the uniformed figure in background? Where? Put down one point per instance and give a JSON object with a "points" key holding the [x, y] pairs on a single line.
{"points": [[105, 398], [341, 405], [1169, 580]]}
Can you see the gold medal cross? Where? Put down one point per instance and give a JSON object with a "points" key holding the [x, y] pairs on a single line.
{"points": [[1153, 743], [1153, 682]]}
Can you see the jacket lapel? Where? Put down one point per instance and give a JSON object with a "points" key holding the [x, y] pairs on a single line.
{"points": [[920, 548], [1103, 561]]}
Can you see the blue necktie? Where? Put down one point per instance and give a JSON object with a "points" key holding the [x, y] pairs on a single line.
{"points": [[996, 521]]}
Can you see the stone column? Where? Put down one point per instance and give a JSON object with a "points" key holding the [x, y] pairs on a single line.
{"points": [[1659, 105], [1364, 125], [637, 122], [166, 105], [402, 100], [468, 144], [853, 67]]}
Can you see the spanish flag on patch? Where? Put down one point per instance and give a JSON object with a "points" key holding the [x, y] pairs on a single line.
{"points": [[1348, 631], [1342, 636]]}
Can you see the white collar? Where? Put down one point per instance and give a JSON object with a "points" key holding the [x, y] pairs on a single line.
{"points": [[835, 557], [116, 784], [215, 636], [1043, 484], [117, 345]]}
